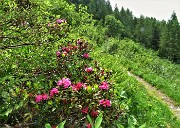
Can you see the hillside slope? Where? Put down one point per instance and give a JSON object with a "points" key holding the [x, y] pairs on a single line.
{"points": [[146, 108], [161, 73]]}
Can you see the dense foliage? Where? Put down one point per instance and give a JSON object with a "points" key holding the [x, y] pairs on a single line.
{"points": [[47, 74]]}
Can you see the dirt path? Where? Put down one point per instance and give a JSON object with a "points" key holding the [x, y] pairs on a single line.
{"points": [[172, 105]]}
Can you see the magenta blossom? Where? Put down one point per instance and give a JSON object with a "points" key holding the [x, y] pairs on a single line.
{"points": [[64, 53], [58, 53], [49, 24], [105, 103], [89, 125], [53, 91], [44, 96], [104, 86], [38, 98], [79, 41], [60, 82], [59, 21], [94, 113], [86, 55], [65, 82], [78, 86], [90, 69], [85, 110]]}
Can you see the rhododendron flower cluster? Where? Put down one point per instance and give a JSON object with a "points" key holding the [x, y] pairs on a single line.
{"points": [[89, 125], [53, 91], [78, 86], [58, 53], [86, 55], [64, 82], [105, 103], [89, 69], [59, 21], [104, 86], [94, 113], [85, 110], [39, 98]]}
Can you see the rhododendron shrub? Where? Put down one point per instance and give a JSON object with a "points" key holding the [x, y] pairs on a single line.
{"points": [[83, 88]]}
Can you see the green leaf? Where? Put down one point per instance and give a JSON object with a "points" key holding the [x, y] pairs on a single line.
{"points": [[61, 125], [47, 126], [8, 111], [98, 121], [130, 123], [123, 94], [120, 126], [143, 126], [90, 120]]}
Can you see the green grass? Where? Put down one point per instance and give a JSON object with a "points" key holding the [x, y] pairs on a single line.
{"points": [[145, 107]]}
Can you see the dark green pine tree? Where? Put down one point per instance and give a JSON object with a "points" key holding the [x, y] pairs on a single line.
{"points": [[139, 30], [108, 8], [117, 13], [98, 8], [170, 40], [92, 7], [155, 36]]}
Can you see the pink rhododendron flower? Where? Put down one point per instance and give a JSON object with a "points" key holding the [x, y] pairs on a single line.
{"points": [[105, 103], [58, 53], [60, 82], [44, 96], [38, 98], [84, 110], [94, 113], [65, 82], [86, 55], [104, 86], [90, 69], [59, 21], [108, 103], [89, 125], [78, 86], [79, 41], [53, 91], [63, 48], [74, 88], [49, 24], [67, 49], [64, 53]]}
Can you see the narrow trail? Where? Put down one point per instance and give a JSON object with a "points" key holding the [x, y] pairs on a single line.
{"points": [[160, 95]]}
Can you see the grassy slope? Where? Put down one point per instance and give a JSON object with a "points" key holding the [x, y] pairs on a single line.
{"points": [[146, 64], [146, 108]]}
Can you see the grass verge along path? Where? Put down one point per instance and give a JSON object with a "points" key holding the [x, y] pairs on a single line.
{"points": [[164, 98]]}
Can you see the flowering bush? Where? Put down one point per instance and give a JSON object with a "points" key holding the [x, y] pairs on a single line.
{"points": [[82, 88]]}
